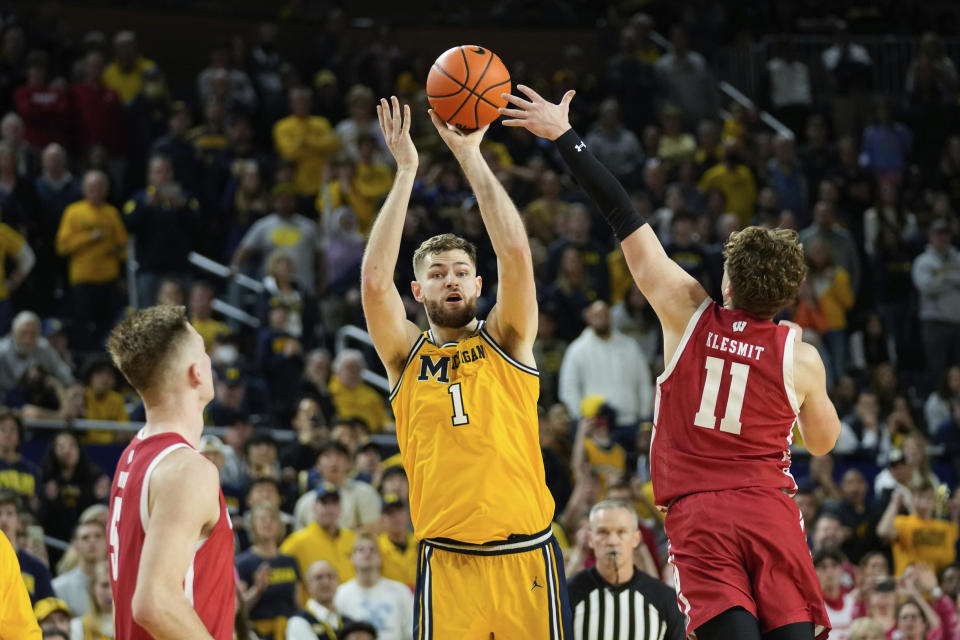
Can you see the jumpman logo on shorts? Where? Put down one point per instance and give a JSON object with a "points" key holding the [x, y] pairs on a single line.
{"points": [[536, 585]]}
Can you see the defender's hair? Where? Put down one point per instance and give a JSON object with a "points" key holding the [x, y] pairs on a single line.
{"points": [[765, 267]]}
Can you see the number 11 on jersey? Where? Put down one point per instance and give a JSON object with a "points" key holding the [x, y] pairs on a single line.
{"points": [[707, 415]]}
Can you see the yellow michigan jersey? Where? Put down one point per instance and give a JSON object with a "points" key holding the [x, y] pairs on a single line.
{"points": [[466, 416]]}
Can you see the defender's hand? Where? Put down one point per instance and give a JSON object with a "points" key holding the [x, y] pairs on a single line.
{"points": [[396, 132], [541, 118]]}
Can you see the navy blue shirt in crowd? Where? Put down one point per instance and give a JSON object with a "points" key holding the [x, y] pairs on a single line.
{"points": [[22, 476], [163, 234], [35, 575], [279, 597]]}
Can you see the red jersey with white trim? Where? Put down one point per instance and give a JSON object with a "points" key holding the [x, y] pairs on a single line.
{"points": [[725, 407], [209, 583]]}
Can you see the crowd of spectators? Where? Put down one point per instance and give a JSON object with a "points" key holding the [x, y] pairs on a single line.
{"points": [[275, 169]]}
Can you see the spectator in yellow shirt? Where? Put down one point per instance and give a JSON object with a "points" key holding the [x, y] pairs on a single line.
{"points": [[323, 539], [676, 145], [834, 295], [352, 397], [201, 314], [13, 247], [101, 400], [92, 237], [360, 186], [125, 74], [543, 214], [17, 621], [594, 445], [398, 547], [735, 180], [918, 537], [305, 140]]}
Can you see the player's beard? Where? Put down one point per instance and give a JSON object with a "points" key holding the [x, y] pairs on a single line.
{"points": [[451, 318]]}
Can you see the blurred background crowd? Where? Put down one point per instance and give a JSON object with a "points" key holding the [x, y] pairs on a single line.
{"points": [[242, 182]]}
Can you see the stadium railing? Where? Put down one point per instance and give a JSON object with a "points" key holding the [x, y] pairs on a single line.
{"points": [[743, 64], [731, 92]]}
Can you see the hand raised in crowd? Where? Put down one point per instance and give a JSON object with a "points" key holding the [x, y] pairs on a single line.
{"points": [[540, 117], [924, 577], [261, 577], [395, 125]]}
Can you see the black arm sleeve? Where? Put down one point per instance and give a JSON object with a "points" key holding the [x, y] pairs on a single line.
{"points": [[601, 185]]}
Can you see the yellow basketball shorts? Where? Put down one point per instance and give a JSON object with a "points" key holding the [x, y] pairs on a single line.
{"points": [[514, 590]]}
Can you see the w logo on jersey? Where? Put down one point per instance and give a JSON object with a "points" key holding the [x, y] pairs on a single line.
{"points": [[739, 326]]}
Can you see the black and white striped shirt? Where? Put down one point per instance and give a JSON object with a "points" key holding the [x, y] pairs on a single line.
{"points": [[641, 609]]}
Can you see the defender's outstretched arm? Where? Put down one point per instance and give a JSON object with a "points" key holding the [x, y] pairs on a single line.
{"points": [[672, 292]]}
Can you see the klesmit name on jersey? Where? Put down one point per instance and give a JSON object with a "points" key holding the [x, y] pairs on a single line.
{"points": [[430, 368], [736, 347]]}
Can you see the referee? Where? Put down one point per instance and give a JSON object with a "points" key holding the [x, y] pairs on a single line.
{"points": [[614, 600]]}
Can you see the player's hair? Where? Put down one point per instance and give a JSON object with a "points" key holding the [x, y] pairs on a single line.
{"points": [[765, 267], [144, 341], [439, 244], [603, 505]]}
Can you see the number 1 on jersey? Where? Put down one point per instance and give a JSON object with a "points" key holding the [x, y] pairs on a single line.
{"points": [[706, 417], [460, 417]]}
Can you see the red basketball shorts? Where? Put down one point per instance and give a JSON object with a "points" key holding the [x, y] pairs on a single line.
{"points": [[743, 548]]}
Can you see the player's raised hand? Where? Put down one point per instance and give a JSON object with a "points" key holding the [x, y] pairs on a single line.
{"points": [[540, 117], [395, 125], [458, 141]]}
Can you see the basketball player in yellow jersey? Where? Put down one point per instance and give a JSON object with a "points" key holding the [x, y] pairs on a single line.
{"points": [[465, 399]]}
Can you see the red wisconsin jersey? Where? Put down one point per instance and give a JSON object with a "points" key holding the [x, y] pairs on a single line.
{"points": [[209, 584], [725, 407]]}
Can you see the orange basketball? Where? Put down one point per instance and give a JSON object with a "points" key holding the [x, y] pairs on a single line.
{"points": [[464, 86]]}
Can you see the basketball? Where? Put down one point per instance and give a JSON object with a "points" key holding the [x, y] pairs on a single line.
{"points": [[464, 86]]}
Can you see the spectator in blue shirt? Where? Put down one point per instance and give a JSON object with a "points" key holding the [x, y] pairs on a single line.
{"points": [[163, 219], [886, 144], [785, 175], [36, 575], [268, 578], [16, 472]]}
